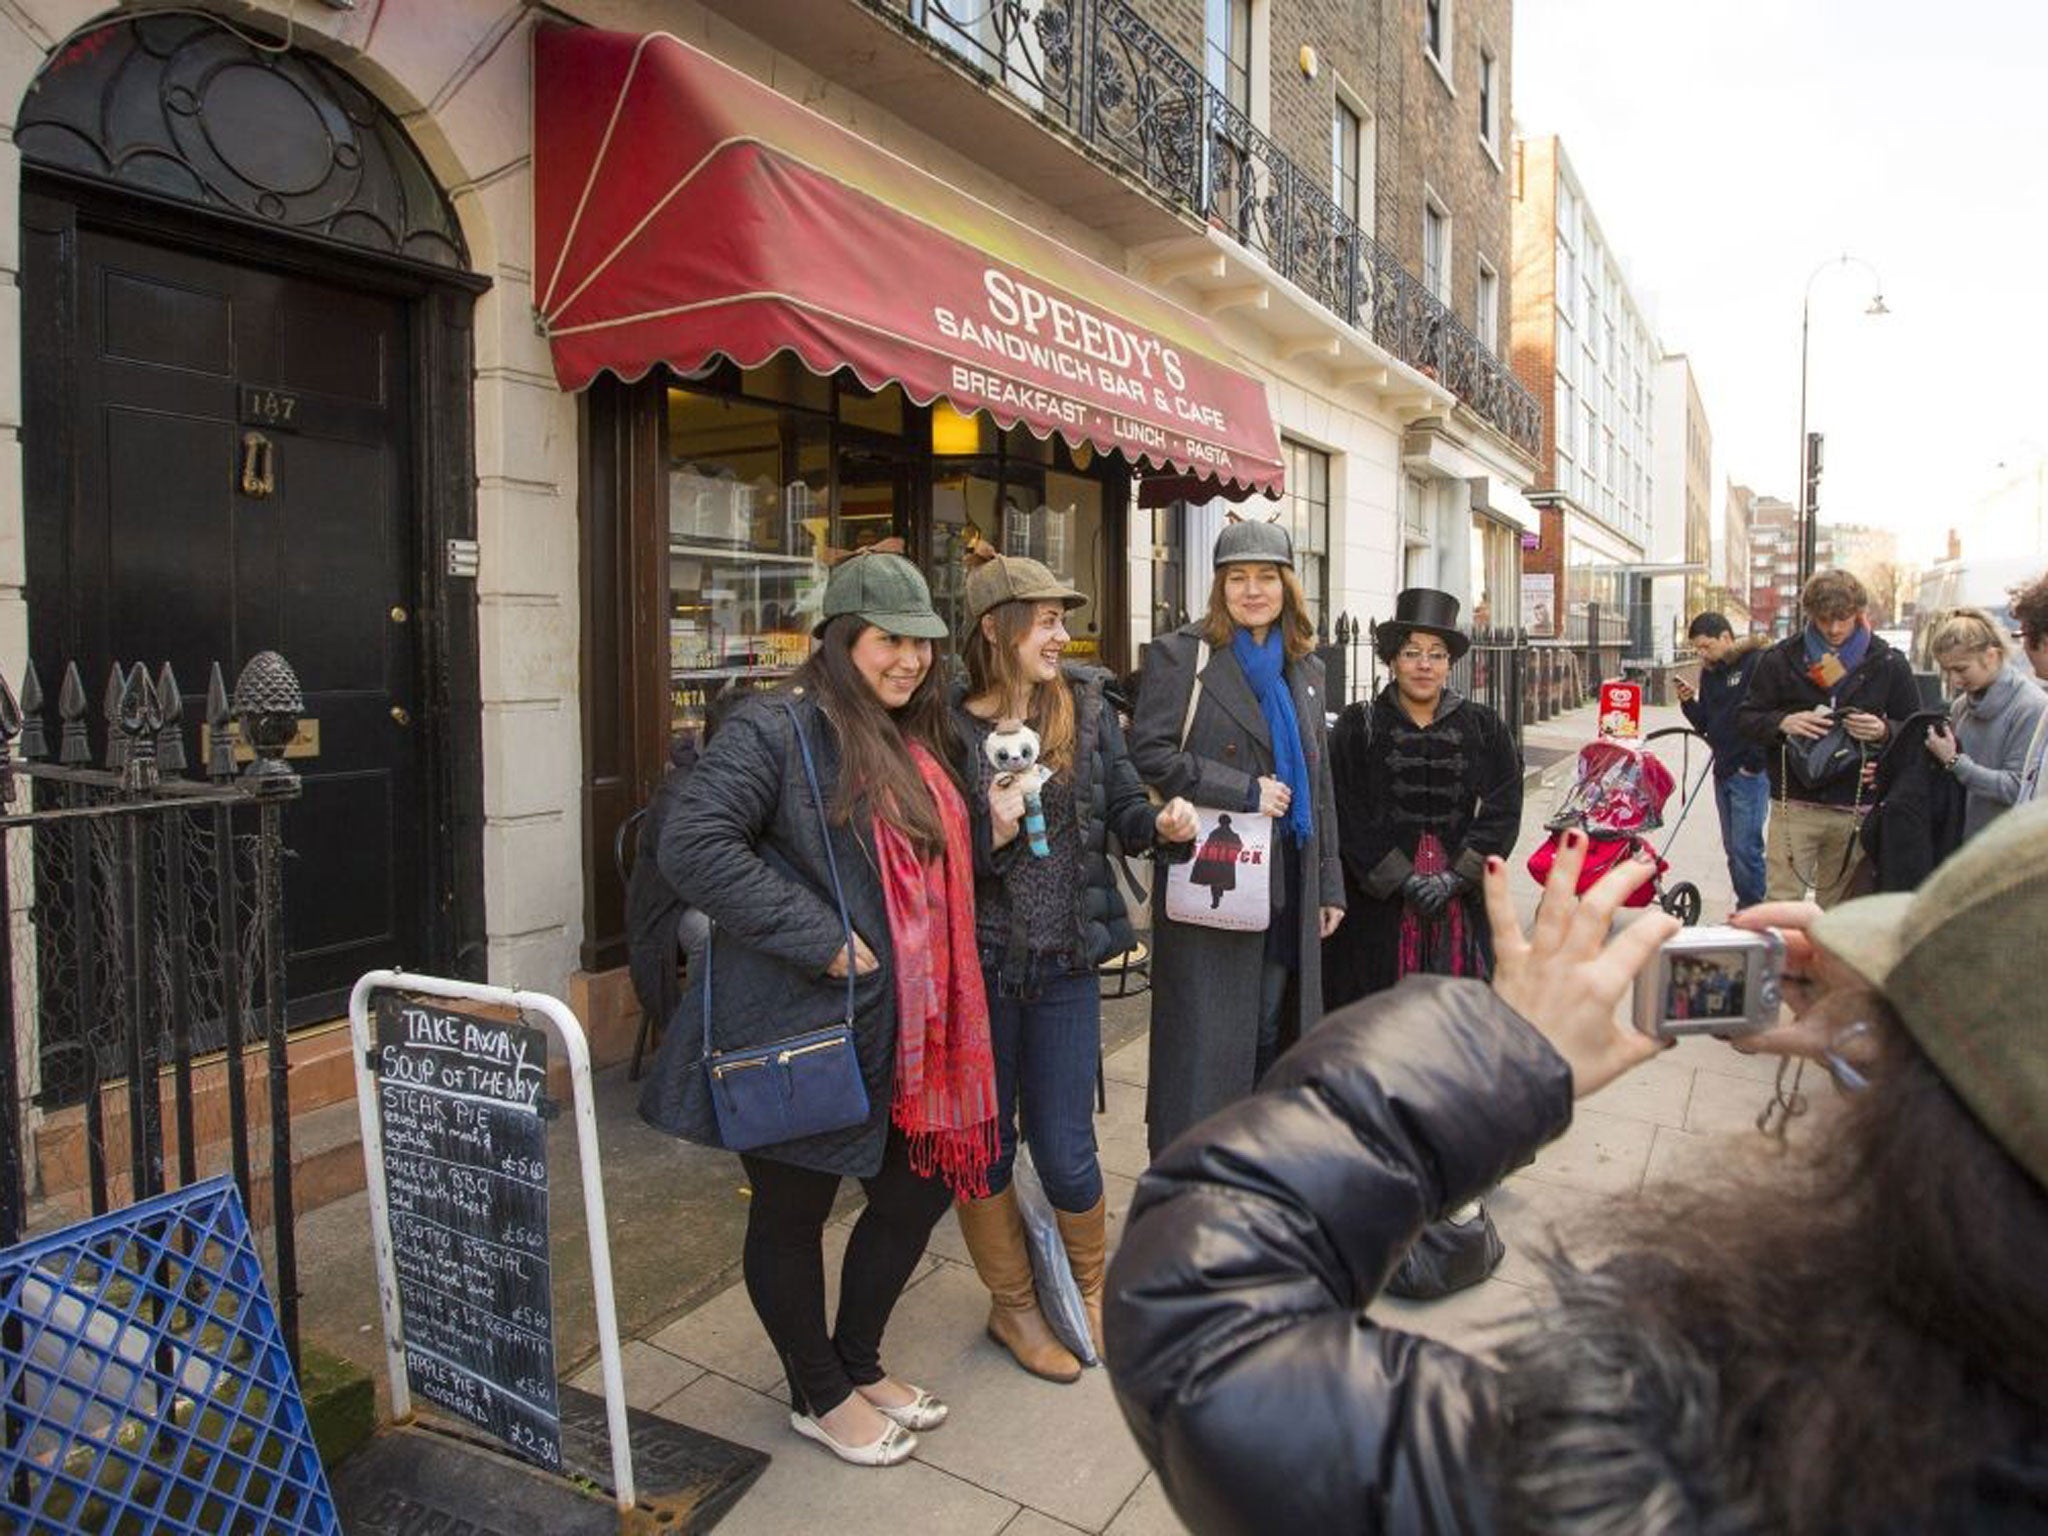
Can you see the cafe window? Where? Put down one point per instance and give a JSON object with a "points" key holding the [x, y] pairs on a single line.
{"points": [[1020, 495], [774, 472]]}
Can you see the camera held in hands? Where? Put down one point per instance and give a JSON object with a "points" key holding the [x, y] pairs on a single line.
{"points": [[1711, 981]]}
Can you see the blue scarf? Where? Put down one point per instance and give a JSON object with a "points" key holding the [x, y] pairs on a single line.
{"points": [[1265, 668]]}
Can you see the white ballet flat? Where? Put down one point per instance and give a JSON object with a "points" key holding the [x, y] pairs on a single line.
{"points": [[922, 1412], [894, 1444]]}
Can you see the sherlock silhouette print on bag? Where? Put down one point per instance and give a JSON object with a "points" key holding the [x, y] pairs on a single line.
{"points": [[1227, 883]]}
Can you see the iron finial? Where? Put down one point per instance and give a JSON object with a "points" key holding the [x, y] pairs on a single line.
{"points": [[110, 711], [220, 741], [73, 749], [35, 740], [170, 741], [140, 720], [10, 727], [268, 703]]}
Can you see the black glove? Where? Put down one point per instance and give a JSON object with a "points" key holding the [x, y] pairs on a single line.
{"points": [[1413, 887], [1437, 892]]}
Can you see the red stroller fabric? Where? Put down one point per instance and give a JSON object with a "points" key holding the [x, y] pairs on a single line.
{"points": [[1619, 793]]}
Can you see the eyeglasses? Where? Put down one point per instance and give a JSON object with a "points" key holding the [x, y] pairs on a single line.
{"points": [[1416, 658]]}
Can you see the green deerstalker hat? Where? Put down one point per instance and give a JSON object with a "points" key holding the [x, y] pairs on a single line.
{"points": [[1955, 960], [887, 591]]}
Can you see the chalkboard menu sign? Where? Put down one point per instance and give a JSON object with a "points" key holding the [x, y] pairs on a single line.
{"points": [[466, 1182]]}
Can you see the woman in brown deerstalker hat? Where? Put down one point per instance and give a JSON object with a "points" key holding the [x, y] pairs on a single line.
{"points": [[1047, 914]]}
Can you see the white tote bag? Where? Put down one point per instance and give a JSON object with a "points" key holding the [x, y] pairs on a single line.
{"points": [[1229, 881]]}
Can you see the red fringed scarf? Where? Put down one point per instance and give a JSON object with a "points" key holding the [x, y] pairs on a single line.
{"points": [[945, 1099]]}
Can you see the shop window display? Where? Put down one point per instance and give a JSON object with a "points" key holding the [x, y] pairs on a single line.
{"points": [[773, 472]]}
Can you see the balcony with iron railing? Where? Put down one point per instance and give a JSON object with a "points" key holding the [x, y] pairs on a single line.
{"points": [[1098, 73]]}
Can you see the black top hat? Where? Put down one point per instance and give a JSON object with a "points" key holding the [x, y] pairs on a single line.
{"points": [[1426, 609]]}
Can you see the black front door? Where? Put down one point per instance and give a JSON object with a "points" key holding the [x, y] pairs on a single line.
{"points": [[240, 480]]}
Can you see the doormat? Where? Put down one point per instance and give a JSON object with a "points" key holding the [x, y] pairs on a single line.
{"points": [[410, 1479]]}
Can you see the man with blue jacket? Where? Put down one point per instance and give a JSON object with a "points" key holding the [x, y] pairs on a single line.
{"points": [[1742, 788]]}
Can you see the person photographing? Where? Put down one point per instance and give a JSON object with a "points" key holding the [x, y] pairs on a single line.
{"points": [[1853, 1339]]}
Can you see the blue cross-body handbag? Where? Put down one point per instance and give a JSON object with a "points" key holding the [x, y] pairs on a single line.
{"points": [[801, 1085]]}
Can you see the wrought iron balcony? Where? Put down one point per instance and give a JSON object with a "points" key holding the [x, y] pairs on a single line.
{"points": [[1098, 72]]}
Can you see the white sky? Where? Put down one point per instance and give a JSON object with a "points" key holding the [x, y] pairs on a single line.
{"points": [[1730, 147]]}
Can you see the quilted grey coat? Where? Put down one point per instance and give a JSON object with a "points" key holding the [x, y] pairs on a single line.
{"points": [[1205, 981], [744, 847]]}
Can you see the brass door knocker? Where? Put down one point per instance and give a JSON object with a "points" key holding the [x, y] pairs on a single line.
{"points": [[259, 466]]}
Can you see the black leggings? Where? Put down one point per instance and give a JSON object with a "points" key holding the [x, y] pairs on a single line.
{"points": [[785, 1268]]}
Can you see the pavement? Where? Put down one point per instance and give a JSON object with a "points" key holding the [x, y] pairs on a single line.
{"points": [[1019, 1456]]}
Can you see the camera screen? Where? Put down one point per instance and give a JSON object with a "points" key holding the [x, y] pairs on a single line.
{"points": [[1705, 985]]}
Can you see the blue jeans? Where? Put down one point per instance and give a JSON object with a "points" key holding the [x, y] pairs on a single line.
{"points": [[1744, 800], [1047, 1047]]}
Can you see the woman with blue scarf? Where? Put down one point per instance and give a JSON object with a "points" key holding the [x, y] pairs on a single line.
{"points": [[1231, 717]]}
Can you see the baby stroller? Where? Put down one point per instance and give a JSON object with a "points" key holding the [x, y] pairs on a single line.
{"points": [[1616, 799]]}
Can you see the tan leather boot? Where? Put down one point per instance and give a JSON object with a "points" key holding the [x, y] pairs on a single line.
{"points": [[1086, 1234], [994, 1229]]}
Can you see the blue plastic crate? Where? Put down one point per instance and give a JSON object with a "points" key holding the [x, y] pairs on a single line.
{"points": [[147, 1386]]}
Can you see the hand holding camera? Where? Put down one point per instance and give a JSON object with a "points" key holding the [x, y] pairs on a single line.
{"points": [[1711, 981], [1566, 976]]}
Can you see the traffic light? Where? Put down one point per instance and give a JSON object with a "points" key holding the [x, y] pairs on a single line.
{"points": [[1814, 443]]}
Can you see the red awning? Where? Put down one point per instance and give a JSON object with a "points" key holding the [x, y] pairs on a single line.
{"points": [[683, 211]]}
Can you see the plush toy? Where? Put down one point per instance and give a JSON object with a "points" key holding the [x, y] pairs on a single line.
{"points": [[1012, 749]]}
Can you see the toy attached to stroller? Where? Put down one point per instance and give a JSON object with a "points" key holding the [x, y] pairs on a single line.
{"points": [[1617, 797]]}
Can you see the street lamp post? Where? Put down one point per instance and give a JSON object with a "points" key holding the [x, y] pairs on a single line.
{"points": [[1809, 533]]}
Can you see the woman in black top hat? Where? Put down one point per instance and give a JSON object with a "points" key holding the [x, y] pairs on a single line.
{"points": [[1250, 740], [1428, 784]]}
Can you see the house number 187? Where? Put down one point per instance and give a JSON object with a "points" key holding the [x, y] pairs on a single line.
{"points": [[272, 407]]}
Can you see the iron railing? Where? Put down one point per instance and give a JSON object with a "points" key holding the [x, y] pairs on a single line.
{"points": [[144, 950], [1099, 72], [1521, 679]]}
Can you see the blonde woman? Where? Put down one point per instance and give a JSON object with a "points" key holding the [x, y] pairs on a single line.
{"points": [[1992, 717], [1044, 921]]}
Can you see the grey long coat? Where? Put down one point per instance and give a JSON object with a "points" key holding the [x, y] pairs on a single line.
{"points": [[1205, 981]]}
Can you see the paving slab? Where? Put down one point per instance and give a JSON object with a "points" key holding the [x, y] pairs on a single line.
{"points": [[1132, 1064], [808, 1489], [653, 1375], [1535, 1218], [1060, 1449], [1147, 1513], [1029, 1522], [1601, 1153], [1656, 1092]]}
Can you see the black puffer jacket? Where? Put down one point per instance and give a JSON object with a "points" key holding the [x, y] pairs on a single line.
{"points": [[1881, 684], [1108, 802], [744, 847], [1269, 1402]]}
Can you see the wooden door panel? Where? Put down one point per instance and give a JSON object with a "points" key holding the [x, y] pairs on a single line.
{"points": [[168, 557]]}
